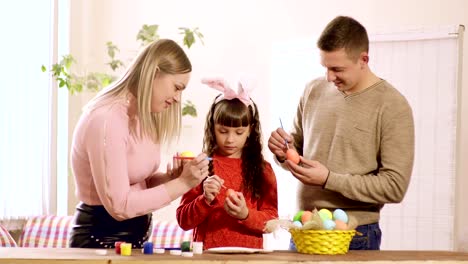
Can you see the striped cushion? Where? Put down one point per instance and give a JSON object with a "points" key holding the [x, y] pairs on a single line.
{"points": [[46, 231], [5, 238], [168, 235]]}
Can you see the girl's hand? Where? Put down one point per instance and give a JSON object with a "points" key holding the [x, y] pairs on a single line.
{"points": [[194, 171], [211, 187], [235, 206]]}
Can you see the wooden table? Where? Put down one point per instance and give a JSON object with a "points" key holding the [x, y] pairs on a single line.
{"points": [[89, 256]]}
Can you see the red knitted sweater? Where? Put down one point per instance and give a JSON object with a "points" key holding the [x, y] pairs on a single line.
{"points": [[213, 226]]}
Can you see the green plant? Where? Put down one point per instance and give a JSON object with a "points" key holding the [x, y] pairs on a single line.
{"points": [[189, 108], [95, 81]]}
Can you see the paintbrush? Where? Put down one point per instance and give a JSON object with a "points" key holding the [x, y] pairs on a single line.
{"points": [[285, 141]]}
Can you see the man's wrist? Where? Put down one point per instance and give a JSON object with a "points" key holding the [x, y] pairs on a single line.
{"points": [[326, 180]]}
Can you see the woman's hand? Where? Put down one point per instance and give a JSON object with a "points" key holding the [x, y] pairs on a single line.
{"points": [[172, 172], [211, 187], [235, 206], [194, 171], [177, 167]]}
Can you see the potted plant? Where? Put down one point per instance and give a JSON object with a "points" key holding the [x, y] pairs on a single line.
{"points": [[95, 81]]}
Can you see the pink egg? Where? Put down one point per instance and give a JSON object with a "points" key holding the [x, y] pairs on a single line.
{"points": [[340, 225]]}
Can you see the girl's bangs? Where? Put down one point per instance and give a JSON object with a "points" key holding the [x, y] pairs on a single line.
{"points": [[231, 113]]}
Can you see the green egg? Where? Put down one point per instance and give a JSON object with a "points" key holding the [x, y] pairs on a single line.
{"points": [[298, 215]]}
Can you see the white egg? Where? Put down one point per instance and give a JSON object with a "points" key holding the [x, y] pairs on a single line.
{"points": [[341, 215]]}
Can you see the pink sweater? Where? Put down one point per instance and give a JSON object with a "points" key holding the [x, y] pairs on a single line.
{"points": [[114, 168]]}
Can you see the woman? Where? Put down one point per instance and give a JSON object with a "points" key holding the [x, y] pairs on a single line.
{"points": [[116, 150]]}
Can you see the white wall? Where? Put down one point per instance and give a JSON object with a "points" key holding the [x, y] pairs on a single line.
{"points": [[239, 36]]}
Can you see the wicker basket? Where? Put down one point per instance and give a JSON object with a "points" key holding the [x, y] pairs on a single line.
{"points": [[322, 241]]}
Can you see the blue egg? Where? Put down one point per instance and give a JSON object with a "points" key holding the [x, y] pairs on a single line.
{"points": [[329, 224], [339, 214], [297, 223]]}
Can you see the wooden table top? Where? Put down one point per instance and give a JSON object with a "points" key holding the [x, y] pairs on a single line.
{"points": [[90, 256]]}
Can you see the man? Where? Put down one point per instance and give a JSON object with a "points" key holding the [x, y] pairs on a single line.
{"points": [[355, 133]]}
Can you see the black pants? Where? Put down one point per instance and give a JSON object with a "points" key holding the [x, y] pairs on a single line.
{"points": [[95, 228]]}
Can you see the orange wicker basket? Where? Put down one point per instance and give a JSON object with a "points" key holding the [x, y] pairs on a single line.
{"points": [[324, 242]]}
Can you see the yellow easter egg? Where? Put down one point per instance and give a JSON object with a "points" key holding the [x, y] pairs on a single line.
{"points": [[325, 214], [189, 154]]}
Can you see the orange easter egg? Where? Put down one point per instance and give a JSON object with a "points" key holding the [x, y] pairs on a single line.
{"points": [[306, 215], [230, 192], [292, 155], [340, 225]]}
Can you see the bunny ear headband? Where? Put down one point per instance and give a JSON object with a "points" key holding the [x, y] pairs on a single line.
{"points": [[244, 87]]}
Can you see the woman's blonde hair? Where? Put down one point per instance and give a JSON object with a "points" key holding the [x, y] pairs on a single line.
{"points": [[164, 57]]}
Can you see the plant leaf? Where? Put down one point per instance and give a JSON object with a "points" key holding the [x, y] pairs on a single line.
{"points": [[148, 33], [189, 109]]}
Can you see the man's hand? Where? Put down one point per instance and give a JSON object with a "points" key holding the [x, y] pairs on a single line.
{"points": [[309, 172], [278, 143]]}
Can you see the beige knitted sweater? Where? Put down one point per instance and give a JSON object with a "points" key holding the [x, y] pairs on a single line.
{"points": [[365, 139]]}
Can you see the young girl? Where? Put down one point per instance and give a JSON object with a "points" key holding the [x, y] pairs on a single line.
{"points": [[219, 216]]}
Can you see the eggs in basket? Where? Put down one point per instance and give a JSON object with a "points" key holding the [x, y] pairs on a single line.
{"points": [[320, 231]]}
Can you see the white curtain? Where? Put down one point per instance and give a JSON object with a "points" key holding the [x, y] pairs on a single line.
{"points": [[25, 108], [423, 65]]}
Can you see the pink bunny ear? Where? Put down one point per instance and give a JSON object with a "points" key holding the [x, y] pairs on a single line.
{"points": [[216, 83], [243, 89]]}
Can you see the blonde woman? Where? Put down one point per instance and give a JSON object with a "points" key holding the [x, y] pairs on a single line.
{"points": [[116, 150]]}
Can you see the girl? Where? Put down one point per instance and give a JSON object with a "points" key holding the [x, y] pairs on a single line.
{"points": [[219, 216]]}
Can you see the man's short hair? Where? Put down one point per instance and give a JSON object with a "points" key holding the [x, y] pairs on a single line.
{"points": [[344, 32]]}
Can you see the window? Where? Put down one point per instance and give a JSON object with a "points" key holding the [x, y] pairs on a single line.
{"points": [[27, 181]]}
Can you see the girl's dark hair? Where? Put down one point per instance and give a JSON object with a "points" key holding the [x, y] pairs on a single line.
{"points": [[234, 113]]}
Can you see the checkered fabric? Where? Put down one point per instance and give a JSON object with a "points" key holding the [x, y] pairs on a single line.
{"points": [[168, 234], [46, 231], [5, 238]]}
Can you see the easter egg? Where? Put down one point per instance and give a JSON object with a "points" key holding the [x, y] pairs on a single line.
{"points": [[306, 215], [329, 224], [187, 154], [340, 225], [325, 214], [297, 216], [297, 224], [339, 214], [292, 155], [230, 192]]}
